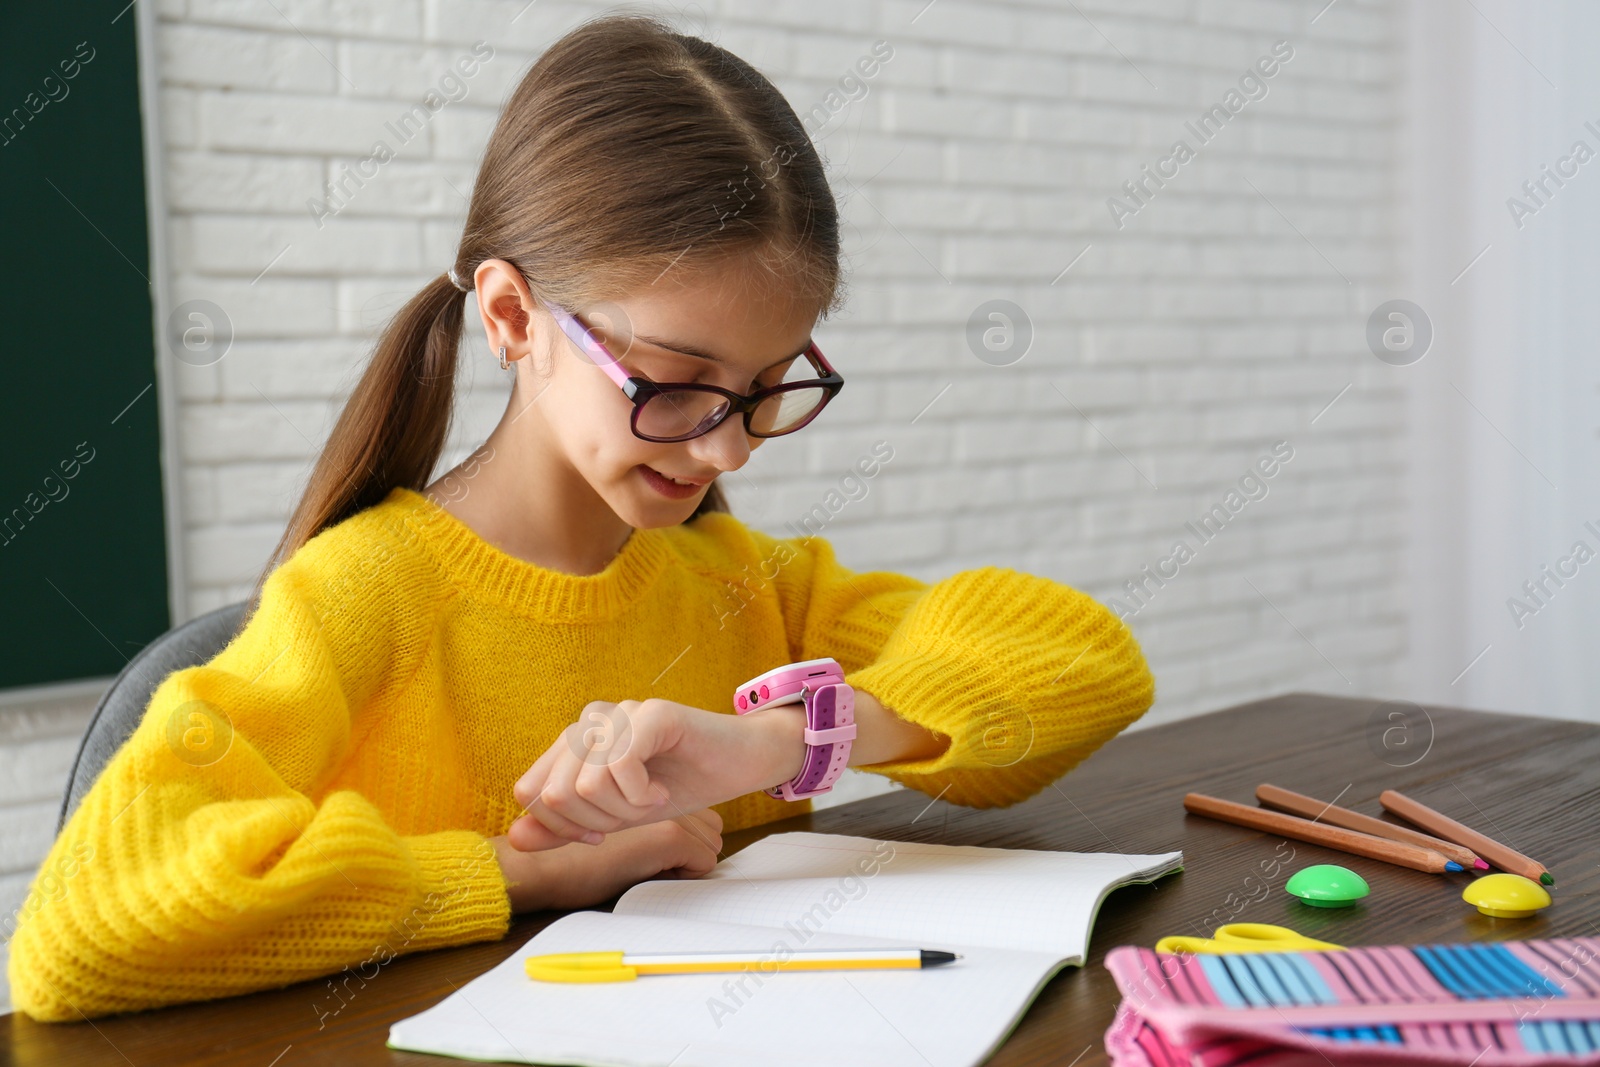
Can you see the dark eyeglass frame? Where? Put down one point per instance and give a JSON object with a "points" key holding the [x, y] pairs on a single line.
{"points": [[641, 390]]}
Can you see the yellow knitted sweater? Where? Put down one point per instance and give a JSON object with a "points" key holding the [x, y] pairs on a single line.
{"points": [[319, 795]]}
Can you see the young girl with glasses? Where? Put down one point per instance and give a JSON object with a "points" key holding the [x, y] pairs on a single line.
{"points": [[508, 688]]}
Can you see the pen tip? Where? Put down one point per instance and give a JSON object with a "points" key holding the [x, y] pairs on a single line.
{"points": [[1547, 878], [1452, 865], [1478, 863]]}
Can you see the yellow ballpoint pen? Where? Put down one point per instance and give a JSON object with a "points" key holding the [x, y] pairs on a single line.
{"points": [[622, 967]]}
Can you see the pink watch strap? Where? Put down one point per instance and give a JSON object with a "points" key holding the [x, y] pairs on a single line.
{"points": [[830, 729]]}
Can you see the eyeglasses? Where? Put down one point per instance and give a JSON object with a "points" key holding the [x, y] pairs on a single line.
{"points": [[678, 411]]}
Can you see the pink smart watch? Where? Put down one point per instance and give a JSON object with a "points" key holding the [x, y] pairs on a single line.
{"points": [[830, 719]]}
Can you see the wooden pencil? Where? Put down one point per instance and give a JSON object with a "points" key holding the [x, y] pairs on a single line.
{"points": [[1502, 856], [1281, 799], [1352, 841]]}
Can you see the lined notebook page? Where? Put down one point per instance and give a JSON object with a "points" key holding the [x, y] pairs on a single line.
{"points": [[1020, 899], [949, 1016]]}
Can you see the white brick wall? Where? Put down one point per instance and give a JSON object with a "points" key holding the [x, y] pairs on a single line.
{"points": [[39, 734], [977, 167]]}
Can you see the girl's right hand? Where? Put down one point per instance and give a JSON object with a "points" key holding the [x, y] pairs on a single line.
{"points": [[577, 875]]}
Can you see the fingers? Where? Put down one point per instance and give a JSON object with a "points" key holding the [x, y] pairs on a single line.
{"points": [[633, 782], [532, 781], [706, 831], [598, 786], [559, 811], [652, 728], [708, 816], [529, 834], [566, 804], [602, 728], [574, 791], [698, 840]]}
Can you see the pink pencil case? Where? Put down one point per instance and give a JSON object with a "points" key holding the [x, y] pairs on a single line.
{"points": [[1489, 1004]]}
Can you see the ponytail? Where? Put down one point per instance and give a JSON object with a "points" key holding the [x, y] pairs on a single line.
{"points": [[393, 428]]}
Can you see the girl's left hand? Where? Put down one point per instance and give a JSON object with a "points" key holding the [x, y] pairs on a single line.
{"points": [[637, 762]]}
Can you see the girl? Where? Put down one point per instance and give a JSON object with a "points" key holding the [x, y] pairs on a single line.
{"points": [[509, 689]]}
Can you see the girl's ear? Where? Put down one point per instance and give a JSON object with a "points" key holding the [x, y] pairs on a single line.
{"points": [[506, 306]]}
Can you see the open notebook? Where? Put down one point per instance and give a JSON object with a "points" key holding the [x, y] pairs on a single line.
{"points": [[1016, 916]]}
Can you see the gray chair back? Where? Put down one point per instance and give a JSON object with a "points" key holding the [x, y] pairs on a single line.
{"points": [[123, 704]]}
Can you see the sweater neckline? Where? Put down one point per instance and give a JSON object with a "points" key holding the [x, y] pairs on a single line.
{"points": [[524, 587]]}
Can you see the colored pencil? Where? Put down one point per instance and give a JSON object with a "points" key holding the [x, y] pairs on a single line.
{"points": [[1502, 856], [1281, 799], [1352, 841]]}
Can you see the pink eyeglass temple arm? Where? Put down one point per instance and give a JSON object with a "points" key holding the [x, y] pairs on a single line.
{"points": [[594, 350]]}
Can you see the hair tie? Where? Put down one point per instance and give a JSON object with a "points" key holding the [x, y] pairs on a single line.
{"points": [[455, 280]]}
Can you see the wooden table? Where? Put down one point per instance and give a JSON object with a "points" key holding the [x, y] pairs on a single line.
{"points": [[1530, 782]]}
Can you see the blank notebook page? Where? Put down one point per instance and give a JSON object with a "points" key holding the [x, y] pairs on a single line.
{"points": [[958, 894], [949, 1016]]}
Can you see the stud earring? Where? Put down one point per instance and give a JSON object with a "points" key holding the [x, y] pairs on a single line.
{"points": [[503, 364]]}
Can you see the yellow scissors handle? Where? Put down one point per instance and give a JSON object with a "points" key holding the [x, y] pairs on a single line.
{"points": [[1246, 937], [1191, 945]]}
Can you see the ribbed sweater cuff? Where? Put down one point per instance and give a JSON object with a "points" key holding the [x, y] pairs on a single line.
{"points": [[1016, 670], [462, 895], [984, 723]]}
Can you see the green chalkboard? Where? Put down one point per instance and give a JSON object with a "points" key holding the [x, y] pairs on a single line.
{"points": [[83, 563]]}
